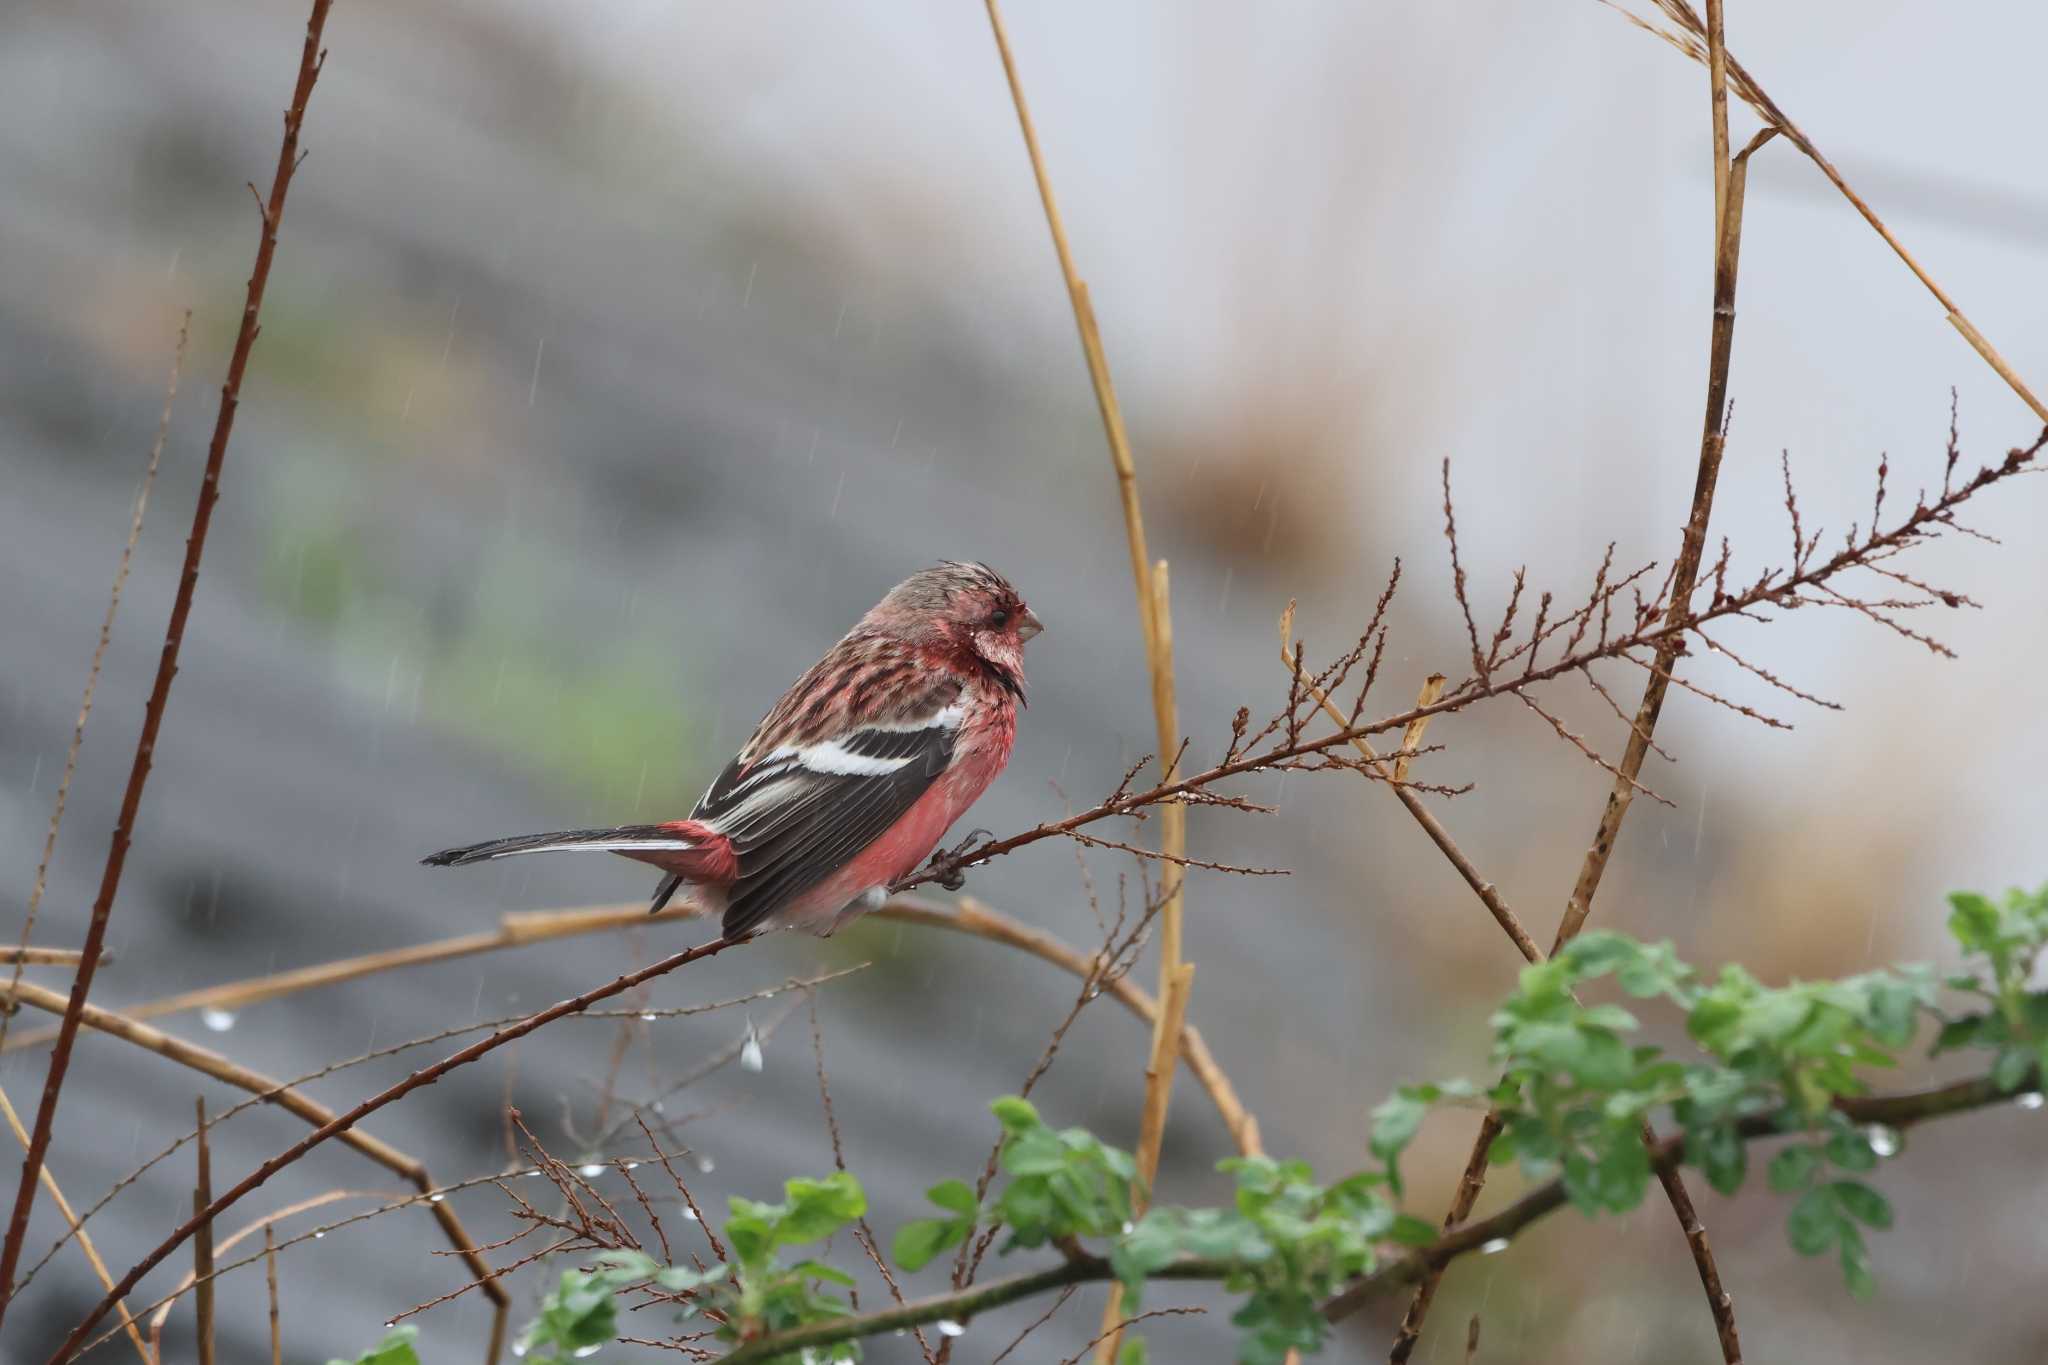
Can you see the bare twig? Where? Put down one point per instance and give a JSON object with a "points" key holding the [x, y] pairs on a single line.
{"points": [[1489, 896], [1652, 628], [1727, 254], [202, 1248], [210, 1063], [167, 667], [1154, 616], [1694, 43], [24, 954], [863, 1233], [71, 1220], [1729, 180], [342, 1123], [270, 1284]]}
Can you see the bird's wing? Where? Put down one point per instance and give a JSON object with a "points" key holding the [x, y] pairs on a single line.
{"points": [[801, 811]]}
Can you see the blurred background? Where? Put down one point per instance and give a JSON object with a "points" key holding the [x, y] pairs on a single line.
{"points": [[619, 355]]}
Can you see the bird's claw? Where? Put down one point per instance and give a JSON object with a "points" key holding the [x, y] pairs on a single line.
{"points": [[948, 865]]}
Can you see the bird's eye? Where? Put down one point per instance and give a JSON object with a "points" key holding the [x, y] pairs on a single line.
{"points": [[1000, 619]]}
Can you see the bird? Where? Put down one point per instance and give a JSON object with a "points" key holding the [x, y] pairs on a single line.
{"points": [[853, 777]]}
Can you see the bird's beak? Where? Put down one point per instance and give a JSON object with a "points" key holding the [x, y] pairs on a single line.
{"points": [[1029, 625]]}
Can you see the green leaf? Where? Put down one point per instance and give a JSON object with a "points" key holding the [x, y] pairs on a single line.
{"points": [[1409, 1230], [1856, 1263], [819, 1208], [395, 1349], [1394, 1123], [1034, 1152], [956, 1195], [1973, 921], [818, 1270], [1851, 1150], [1815, 1223], [1132, 1352], [1016, 1115], [1794, 1168], [1862, 1203], [1721, 1155], [2012, 1068], [1611, 1017]]}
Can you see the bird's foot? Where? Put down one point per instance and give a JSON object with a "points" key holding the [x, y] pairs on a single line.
{"points": [[948, 867]]}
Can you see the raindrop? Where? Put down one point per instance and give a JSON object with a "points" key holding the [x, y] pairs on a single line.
{"points": [[1884, 1141], [706, 1165], [690, 1214], [647, 1016], [435, 1198], [2031, 1100], [318, 1235], [519, 1347], [592, 1169], [750, 1051], [585, 1352], [950, 1328], [1129, 1227], [632, 1165], [1498, 1244], [217, 1020]]}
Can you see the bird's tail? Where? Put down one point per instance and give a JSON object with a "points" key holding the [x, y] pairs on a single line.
{"points": [[688, 850]]}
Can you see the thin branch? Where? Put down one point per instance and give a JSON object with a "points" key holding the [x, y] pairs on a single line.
{"points": [[1730, 180], [1726, 259], [515, 930], [270, 1284], [343, 1122], [71, 1220], [1745, 85], [25, 955], [1782, 589], [1154, 613], [167, 666], [202, 1248], [1489, 896], [210, 1063]]}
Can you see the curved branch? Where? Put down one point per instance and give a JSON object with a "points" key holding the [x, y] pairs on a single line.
{"points": [[342, 1123], [515, 930], [210, 1063]]}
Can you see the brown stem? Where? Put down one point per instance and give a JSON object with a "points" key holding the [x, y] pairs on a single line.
{"points": [[341, 1123], [202, 1247], [73, 1221], [270, 1284], [1764, 105], [1155, 621], [167, 666], [1727, 250], [289, 1098]]}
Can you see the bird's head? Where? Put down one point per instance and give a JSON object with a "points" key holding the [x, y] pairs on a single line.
{"points": [[969, 607]]}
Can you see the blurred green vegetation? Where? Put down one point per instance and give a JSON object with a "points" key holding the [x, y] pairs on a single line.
{"points": [[610, 721]]}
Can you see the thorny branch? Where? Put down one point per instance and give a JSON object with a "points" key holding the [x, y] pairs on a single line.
{"points": [[1603, 627]]}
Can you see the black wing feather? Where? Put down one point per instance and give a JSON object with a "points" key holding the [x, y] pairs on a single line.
{"points": [[815, 822]]}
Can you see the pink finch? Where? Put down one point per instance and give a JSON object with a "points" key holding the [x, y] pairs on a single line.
{"points": [[854, 776]]}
